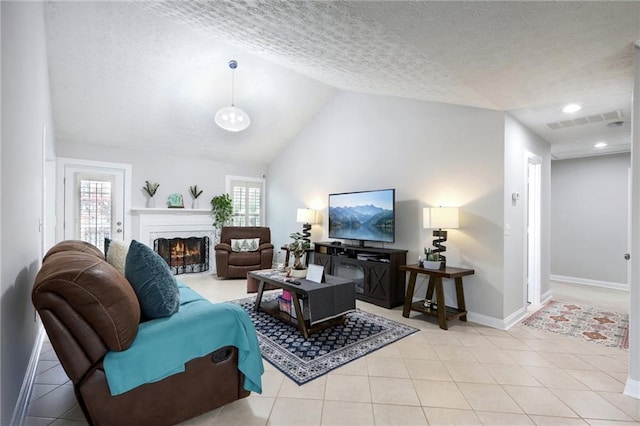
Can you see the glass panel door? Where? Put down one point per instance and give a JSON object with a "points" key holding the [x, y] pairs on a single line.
{"points": [[96, 207]]}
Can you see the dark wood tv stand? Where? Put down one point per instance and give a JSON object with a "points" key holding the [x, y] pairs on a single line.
{"points": [[375, 270]]}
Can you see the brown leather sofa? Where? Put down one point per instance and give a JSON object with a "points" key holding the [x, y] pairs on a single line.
{"points": [[88, 308], [231, 264]]}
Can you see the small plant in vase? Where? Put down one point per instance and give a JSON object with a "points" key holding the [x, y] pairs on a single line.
{"points": [[150, 188], [432, 259], [195, 193], [298, 248]]}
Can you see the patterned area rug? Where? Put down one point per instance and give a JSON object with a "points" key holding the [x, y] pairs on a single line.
{"points": [[592, 324], [304, 360]]}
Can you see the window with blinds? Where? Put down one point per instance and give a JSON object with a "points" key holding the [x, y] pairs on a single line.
{"points": [[95, 211], [248, 201]]}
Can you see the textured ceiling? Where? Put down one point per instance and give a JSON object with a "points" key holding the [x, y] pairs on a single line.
{"points": [[154, 73]]}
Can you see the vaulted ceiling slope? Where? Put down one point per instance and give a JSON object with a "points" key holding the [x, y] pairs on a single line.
{"points": [[152, 74]]}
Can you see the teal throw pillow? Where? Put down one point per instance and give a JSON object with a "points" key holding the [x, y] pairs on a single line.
{"points": [[152, 281]]}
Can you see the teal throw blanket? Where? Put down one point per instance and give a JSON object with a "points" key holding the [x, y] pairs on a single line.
{"points": [[163, 346]]}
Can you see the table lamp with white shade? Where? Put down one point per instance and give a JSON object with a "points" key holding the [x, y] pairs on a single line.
{"points": [[306, 217], [437, 218]]}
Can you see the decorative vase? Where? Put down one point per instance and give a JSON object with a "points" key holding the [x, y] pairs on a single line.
{"points": [[151, 202], [431, 264], [298, 273], [195, 204]]}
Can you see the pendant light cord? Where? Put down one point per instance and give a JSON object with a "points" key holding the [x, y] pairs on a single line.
{"points": [[233, 64], [233, 86]]}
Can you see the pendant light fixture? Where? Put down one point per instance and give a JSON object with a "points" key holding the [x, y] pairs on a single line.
{"points": [[232, 118]]}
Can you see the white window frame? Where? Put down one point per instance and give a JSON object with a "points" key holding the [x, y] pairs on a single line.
{"points": [[263, 184]]}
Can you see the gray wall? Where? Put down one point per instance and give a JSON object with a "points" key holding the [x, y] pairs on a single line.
{"points": [[25, 110], [433, 154], [589, 216]]}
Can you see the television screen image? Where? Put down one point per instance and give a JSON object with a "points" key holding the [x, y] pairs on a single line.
{"points": [[363, 216]]}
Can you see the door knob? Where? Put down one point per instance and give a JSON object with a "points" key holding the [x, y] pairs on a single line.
{"points": [[627, 256], [118, 223], [119, 230]]}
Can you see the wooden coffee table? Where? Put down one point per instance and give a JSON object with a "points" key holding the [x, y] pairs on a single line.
{"points": [[328, 302]]}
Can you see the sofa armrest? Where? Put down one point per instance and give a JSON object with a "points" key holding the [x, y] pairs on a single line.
{"points": [[86, 306], [266, 258], [265, 246], [222, 263]]}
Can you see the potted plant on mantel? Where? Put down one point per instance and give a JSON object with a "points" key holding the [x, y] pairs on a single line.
{"points": [[195, 193], [150, 188], [298, 248], [222, 211]]}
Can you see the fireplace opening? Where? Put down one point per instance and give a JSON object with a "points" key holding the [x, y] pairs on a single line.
{"points": [[184, 255]]}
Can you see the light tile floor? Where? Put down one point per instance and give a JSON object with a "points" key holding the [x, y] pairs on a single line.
{"points": [[467, 375]]}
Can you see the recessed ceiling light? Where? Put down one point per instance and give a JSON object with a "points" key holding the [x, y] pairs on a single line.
{"points": [[571, 108], [600, 145]]}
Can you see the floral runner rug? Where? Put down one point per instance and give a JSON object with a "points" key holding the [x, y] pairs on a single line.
{"points": [[302, 359], [592, 324]]}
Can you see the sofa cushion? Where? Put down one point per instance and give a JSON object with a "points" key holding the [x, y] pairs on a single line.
{"points": [[117, 254], [245, 244], [251, 258], [152, 281]]}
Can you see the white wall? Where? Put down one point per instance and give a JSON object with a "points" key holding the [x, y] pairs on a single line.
{"points": [[632, 386], [174, 174], [432, 154], [25, 110], [589, 217], [519, 141]]}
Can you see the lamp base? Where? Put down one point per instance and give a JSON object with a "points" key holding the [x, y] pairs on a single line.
{"points": [[306, 227], [441, 237]]}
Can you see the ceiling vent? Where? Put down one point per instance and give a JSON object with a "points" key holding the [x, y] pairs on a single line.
{"points": [[580, 121]]}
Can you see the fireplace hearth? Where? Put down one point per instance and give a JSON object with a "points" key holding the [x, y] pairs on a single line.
{"points": [[184, 255]]}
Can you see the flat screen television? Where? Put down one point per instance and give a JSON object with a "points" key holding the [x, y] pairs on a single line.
{"points": [[363, 216]]}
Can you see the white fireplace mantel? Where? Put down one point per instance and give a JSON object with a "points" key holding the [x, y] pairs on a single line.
{"points": [[166, 210], [165, 221]]}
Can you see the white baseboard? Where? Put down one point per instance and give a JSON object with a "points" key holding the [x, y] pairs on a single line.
{"points": [[545, 297], [632, 388], [492, 322], [20, 410], [485, 320], [593, 283], [515, 318]]}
